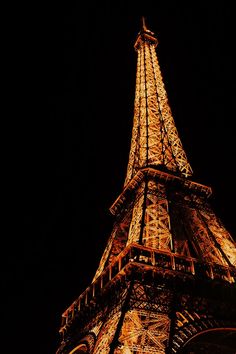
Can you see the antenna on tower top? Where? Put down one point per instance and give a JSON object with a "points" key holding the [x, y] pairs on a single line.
{"points": [[144, 24]]}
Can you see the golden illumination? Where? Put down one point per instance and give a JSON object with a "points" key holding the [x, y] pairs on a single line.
{"points": [[155, 140]]}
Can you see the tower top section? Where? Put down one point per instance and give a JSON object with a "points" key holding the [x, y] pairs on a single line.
{"points": [[155, 142], [145, 35]]}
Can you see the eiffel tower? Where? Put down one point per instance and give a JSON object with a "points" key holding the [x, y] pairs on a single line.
{"points": [[166, 280]]}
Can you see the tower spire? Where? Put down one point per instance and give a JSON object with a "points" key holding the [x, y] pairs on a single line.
{"points": [[155, 141], [144, 24]]}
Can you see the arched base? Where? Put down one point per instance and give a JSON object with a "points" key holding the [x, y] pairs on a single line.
{"points": [[80, 349], [217, 341], [86, 345]]}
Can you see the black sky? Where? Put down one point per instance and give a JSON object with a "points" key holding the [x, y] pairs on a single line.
{"points": [[73, 104]]}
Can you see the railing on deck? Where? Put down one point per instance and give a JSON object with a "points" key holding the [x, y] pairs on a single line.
{"points": [[154, 258]]}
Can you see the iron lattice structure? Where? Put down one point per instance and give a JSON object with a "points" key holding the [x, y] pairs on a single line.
{"points": [[167, 276]]}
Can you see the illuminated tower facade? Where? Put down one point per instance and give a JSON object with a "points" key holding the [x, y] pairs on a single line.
{"points": [[166, 279]]}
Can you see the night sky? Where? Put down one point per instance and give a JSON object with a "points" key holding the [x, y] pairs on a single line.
{"points": [[73, 106]]}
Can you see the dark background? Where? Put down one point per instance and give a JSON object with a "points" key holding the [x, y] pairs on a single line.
{"points": [[73, 91]]}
